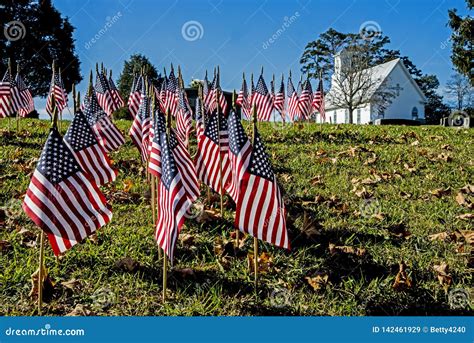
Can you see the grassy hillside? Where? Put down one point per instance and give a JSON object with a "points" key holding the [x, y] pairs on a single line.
{"points": [[364, 202]]}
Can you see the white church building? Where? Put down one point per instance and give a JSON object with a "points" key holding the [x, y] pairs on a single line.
{"points": [[408, 102]]}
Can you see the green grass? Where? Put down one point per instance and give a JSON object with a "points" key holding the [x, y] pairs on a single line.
{"points": [[319, 213]]}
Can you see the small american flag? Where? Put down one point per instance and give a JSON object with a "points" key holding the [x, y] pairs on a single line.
{"points": [[243, 100], [61, 199], [184, 118], [60, 97], [171, 102], [239, 148], [88, 152], [28, 105], [10, 97], [210, 99], [104, 94], [208, 164], [293, 111], [119, 103], [199, 119], [318, 101], [173, 202], [262, 100], [305, 100], [140, 129], [108, 135], [154, 161], [136, 95], [260, 208], [279, 101]]}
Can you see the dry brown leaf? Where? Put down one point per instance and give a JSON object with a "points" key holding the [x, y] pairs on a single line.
{"points": [[318, 282], [402, 281], [415, 143], [127, 185], [72, 284], [48, 284], [468, 236], [80, 311], [439, 192], [334, 249], [467, 189], [447, 147], [127, 264], [441, 236], [5, 246], [208, 215], [466, 216], [406, 195], [362, 193], [445, 157], [411, 169], [442, 272], [265, 263], [371, 160], [317, 180], [186, 239]]}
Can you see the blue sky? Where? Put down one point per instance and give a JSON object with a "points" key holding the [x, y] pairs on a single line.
{"points": [[235, 34]]}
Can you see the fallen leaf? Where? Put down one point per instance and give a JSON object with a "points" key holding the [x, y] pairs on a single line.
{"points": [[466, 216], [334, 249], [127, 264], [445, 157], [439, 192], [47, 283], [80, 311], [264, 261], [442, 272], [441, 236], [72, 284], [127, 185], [468, 235], [467, 189], [415, 143], [371, 160], [318, 282], [186, 239], [208, 215], [447, 147], [185, 273], [5, 246], [409, 168], [399, 230], [317, 180], [402, 281]]}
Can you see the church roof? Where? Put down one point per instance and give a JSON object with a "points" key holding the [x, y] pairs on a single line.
{"points": [[380, 73]]}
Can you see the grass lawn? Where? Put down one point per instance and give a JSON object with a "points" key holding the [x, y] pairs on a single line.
{"points": [[364, 206]]}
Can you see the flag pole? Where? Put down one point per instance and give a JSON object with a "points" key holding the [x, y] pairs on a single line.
{"points": [[165, 258], [74, 107], [234, 108], [17, 112], [273, 95], [283, 112], [255, 239], [220, 157]]}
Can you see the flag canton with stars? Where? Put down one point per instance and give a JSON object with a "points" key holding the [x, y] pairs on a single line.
{"points": [[159, 126], [172, 84], [101, 85], [173, 140], [168, 165], [237, 135], [259, 162], [261, 86], [92, 109], [290, 87], [211, 128], [57, 161], [198, 109], [144, 109], [79, 135]]}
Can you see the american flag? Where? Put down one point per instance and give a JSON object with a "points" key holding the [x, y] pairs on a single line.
{"points": [[162, 97], [208, 164], [305, 100], [210, 99], [171, 101], [159, 126], [184, 118], [260, 208], [318, 101], [136, 95], [239, 148], [88, 152], [199, 118], [10, 97], [140, 129], [28, 105], [62, 200], [252, 91], [293, 111], [279, 101], [262, 100], [119, 103], [172, 200], [104, 94], [60, 97], [243, 100], [108, 135]]}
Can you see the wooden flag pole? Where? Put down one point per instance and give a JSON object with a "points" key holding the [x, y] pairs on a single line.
{"points": [[60, 113], [40, 273], [234, 108], [220, 157], [165, 258], [255, 239], [283, 113], [273, 95]]}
